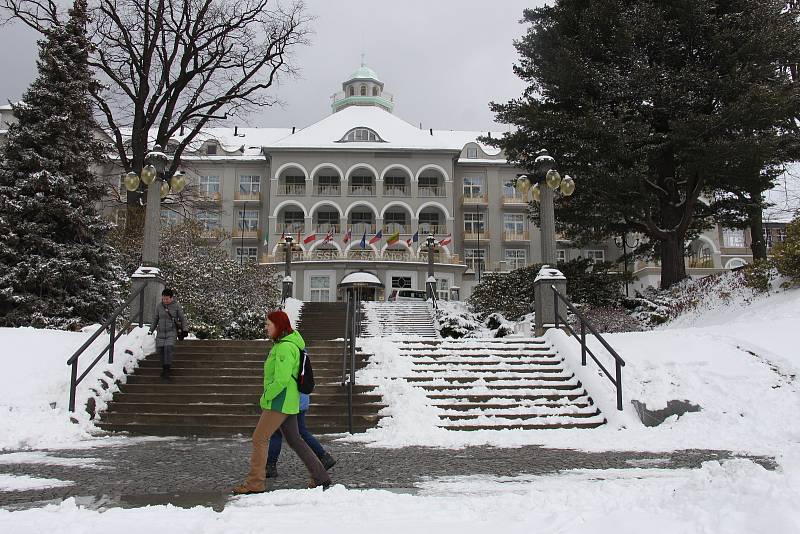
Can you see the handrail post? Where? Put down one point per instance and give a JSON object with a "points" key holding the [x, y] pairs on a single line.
{"points": [[112, 330], [555, 305], [346, 337], [583, 342], [73, 385], [141, 307], [619, 386]]}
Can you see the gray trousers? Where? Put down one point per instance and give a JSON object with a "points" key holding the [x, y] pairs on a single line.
{"points": [[165, 353]]}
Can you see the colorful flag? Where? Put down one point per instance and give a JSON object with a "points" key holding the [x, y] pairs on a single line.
{"points": [[328, 237], [446, 240], [394, 238], [299, 235], [283, 236], [377, 237], [408, 242], [363, 243], [348, 236], [309, 238], [415, 237]]}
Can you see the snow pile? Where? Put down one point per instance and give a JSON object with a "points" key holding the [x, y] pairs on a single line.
{"points": [[26, 483], [737, 361], [732, 497], [34, 385]]}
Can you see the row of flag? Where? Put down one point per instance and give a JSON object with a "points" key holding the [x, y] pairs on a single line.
{"points": [[391, 240]]}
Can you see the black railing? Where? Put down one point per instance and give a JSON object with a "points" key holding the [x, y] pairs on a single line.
{"points": [[584, 324], [109, 326], [351, 333]]}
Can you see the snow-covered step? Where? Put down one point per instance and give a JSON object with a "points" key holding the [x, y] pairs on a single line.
{"points": [[505, 378]]}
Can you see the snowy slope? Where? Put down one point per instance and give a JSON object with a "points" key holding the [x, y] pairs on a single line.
{"points": [[34, 384]]}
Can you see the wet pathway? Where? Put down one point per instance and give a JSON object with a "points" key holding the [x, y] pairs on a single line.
{"points": [[190, 472]]}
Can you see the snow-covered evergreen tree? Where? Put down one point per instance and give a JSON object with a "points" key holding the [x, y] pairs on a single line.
{"points": [[55, 268]]}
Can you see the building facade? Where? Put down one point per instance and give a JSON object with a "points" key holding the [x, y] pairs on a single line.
{"points": [[361, 190]]}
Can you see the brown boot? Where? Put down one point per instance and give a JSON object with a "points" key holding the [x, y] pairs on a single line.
{"points": [[244, 490]]}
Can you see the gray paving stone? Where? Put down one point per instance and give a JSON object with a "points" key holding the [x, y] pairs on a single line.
{"points": [[190, 472]]}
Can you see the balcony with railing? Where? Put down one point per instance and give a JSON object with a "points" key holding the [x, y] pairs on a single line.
{"points": [[475, 199], [522, 235], [389, 229], [361, 190], [396, 190], [247, 196], [476, 236], [434, 229], [246, 233], [324, 228], [357, 253], [330, 190], [211, 197], [289, 228], [515, 200], [430, 191], [293, 190]]}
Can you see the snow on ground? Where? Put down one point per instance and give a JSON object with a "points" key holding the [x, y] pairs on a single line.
{"points": [[737, 359], [736, 496], [26, 483], [35, 381], [44, 458]]}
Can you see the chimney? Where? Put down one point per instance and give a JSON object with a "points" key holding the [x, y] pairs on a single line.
{"points": [[293, 130], [431, 131], [236, 131], [489, 135], [181, 130]]}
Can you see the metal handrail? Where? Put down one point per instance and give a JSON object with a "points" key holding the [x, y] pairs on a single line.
{"points": [[352, 332], [110, 326], [619, 362]]}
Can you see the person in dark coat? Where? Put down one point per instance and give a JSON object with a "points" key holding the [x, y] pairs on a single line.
{"points": [[170, 322], [276, 441]]}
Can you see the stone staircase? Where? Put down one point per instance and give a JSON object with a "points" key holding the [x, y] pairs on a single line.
{"points": [[216, 384], [406, 318], [215, 388], [495, 384]]}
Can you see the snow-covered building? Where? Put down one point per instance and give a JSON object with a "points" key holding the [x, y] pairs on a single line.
{"points": [[362, 174]]}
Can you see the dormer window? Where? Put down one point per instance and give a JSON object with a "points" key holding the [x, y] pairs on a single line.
{"points": [[211, 149], [352, 91], [363, 90], [374, 91], [361, 135], [472, 152]]}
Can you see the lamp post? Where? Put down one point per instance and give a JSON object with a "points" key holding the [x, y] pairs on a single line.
{"points": [[430, 282], [624, 245], [287, 275], [542, 186], [158, 184]]}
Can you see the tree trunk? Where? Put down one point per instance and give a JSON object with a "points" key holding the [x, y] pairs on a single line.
{"points": [[673, 264], [756, 220]]}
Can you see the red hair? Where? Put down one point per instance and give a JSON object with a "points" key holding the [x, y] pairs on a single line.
{"points": [[282, 324]]}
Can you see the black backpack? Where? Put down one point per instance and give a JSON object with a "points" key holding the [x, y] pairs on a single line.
{"points": [[305, 379]]}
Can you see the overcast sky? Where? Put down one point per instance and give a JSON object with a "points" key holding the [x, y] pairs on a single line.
{"points": [[444, 60]]}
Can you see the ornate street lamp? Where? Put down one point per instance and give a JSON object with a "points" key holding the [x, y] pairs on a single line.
{"points": [[158, 184], [430, 282], [622, 242], [288, 283], [542, 185]]}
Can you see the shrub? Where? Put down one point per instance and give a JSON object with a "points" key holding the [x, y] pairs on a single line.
{"points": [[758, 274], [786, 255]]}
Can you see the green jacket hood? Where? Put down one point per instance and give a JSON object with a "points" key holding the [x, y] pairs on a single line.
{"points": [[296, 339]]}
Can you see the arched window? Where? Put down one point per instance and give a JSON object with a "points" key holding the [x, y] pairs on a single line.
{"points": [[361, 135], [374, 91], [363, 90], [352, 91]]}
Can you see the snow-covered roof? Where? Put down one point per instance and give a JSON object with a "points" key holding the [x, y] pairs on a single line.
{"points": [[361, 277], [397, 133], [327, 133]]}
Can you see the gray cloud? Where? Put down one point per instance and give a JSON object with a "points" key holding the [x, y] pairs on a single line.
{"points": [[444, 60]]}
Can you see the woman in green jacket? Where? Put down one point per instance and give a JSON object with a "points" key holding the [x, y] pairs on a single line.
{"points": [[280, 404]]}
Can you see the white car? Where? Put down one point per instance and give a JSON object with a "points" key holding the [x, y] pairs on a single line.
{"points": [[407, 294]]}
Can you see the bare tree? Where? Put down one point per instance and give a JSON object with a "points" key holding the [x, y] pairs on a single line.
{"points": [[170, 68]]}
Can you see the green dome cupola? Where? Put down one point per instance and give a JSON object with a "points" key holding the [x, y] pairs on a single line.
{"points": [[362, 88]]}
